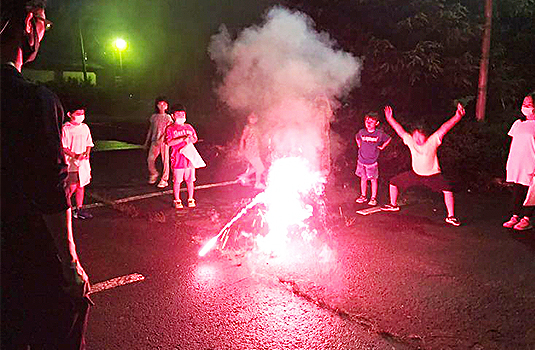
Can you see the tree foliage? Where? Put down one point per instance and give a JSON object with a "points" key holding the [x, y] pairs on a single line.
{"points": [[423, 54]]}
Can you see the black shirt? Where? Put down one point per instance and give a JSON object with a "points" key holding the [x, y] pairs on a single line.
{"points": [[33, 165]]}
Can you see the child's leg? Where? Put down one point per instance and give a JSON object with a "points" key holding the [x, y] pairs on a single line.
{"points": [[449, 201], [189, 177], [79, 194], [177, 181], [519, 195], [394, 195], [363, 185], [191, 188], [259, 169], [165, 160], [69, 191], [374, 188], [154, 151]]}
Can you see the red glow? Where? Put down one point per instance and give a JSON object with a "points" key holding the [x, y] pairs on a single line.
{"points": [[285, 207]]}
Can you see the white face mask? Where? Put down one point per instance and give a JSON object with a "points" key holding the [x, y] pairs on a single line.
{"points": [[527, 111], [78, 119]]}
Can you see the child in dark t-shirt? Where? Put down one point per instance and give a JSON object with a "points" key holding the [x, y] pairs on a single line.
{"points": [[370, 141]]}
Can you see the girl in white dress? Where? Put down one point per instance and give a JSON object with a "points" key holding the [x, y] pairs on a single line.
{"points": [[521, 165]]}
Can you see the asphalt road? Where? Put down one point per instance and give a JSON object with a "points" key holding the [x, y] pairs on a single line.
{"points": [[401, 280]]}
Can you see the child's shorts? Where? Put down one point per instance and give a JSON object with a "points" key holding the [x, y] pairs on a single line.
{"points": [[436, 182], [184, 174], [367, 171], [73, 178]]}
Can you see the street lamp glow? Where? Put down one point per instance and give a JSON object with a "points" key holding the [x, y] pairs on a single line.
{"points": [[120, 44]]}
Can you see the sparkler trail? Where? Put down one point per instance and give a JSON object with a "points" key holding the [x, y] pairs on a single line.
{"points": [[212, 242], [290, 179]]}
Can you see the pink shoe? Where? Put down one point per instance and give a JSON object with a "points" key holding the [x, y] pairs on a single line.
{"points": [[523, 224], [512, 222]]}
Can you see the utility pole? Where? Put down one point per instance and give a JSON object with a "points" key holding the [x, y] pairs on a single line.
{"points": [[484, 65], [84, 68]]}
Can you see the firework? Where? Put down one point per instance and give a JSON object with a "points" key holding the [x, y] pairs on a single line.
{"points": [[286, 204]]}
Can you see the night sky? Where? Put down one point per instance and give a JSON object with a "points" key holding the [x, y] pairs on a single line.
{"points": [[167, 40]]}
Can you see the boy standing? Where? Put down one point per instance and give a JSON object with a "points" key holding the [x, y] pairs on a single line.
{"points": [[184, 157], [77, 142], [425, 168], [370, 141], [155, 142]]}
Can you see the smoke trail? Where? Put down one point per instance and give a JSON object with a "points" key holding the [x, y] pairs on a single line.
{"points": [[288, 74]]}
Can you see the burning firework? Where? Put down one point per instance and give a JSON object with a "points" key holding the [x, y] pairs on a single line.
{"points": [[285, 207]]}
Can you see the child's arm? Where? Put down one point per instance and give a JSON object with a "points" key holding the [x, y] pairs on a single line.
{"points": [[149, 135], [382, 147], [357, 139], [395, 125], [177, 140], [444, 128], [86, 153], [243, 138], [192, 138], [69, 152]]}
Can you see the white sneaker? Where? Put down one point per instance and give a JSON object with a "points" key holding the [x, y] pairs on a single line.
{"points": [[163, 184]]}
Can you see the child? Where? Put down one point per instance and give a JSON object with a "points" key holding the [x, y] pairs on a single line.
{"points": [[520, 166], [370, 141], [77, 142], [250, 148], [425, 168], [184, 157], [155, 136]]}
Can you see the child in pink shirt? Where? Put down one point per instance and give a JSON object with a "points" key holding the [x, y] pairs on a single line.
{"points": [[184, 157]]}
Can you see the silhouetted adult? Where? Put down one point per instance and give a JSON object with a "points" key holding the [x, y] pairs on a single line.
{"points": [[44, 287]]}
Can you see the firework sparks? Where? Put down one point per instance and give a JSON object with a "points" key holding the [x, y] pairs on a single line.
{"points": [[287, 200]]}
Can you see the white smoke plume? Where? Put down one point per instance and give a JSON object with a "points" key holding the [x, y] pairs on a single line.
{"points": [[289, 75]]}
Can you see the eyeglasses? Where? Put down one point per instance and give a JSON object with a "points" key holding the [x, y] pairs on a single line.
{"points": [[48, 23]]}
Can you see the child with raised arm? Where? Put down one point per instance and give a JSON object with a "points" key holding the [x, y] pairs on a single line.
{"points": [[425, 168], [370, 140], [184, 157], [77, 143]]}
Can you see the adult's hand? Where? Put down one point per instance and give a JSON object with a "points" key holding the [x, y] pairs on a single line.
{"points": [[76, 280]]}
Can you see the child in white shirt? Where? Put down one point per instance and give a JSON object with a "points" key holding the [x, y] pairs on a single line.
{"points": [[77, 143]]}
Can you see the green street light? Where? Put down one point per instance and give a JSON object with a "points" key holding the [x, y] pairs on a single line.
{"points": [[120, 45]]}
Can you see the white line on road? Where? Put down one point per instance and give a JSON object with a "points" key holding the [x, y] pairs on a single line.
{"points": [[155, 194], [116, 282]]}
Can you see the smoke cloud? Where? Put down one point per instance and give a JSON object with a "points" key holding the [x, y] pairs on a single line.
{"points": [[288, 74]]}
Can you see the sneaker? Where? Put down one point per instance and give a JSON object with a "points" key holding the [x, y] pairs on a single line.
{"points": [[361, 199], [389, 207], [452, 220], [178, 204], [523, 224], [191, 203], [74, 212], [163, 184], [512, 222], [82, 214], [372, 201], [152, 179]]}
